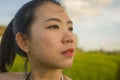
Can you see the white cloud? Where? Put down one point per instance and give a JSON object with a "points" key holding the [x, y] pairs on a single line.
{"points": [[80, 8], [100, 2], [91, 14]]}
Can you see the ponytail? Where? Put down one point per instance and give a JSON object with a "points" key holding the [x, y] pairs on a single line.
{"points": [[7, 51]]}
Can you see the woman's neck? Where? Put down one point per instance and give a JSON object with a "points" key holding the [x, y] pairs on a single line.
{"points": [[44, 74]]}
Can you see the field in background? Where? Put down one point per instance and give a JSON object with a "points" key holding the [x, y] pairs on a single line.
{"points": [[95, 66], [87, 66]]}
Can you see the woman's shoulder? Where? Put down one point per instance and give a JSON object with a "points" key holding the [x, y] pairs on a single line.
{"points": [[18, 76], [11, 76]]}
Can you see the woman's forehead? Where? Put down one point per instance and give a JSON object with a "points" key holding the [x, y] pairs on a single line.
{"points": [[48, 8]]}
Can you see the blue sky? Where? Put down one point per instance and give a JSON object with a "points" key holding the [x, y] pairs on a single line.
{"points": [[96, 22]]}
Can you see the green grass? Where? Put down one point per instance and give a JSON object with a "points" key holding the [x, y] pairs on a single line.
{"points": [[87, 66], [94, 67], [18, 65]]}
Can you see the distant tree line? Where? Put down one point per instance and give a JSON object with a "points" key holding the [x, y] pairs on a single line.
{"points": [[2, 29], [80, 50]]}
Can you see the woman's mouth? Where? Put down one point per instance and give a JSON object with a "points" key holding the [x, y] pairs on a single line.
{"points": [[69, 52]]}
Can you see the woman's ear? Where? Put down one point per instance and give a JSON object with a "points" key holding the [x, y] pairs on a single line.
{"points": [[22, 42]]}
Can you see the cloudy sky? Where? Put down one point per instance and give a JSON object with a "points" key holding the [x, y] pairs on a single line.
{"points": [[96, 22]]}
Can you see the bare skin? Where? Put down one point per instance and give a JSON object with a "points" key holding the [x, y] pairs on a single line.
{"points": [[19, 76], [11, 76]]}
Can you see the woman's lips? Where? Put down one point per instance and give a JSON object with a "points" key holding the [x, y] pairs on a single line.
{"points": [[69, 52]]}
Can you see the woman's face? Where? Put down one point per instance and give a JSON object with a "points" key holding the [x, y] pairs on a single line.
{"points": [[52, 42]]}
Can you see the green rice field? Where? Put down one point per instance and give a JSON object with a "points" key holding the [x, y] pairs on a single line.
{"points": [[87, 66]]}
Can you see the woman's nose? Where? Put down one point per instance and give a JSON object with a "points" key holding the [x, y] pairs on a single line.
{"points": [[68, 38]]}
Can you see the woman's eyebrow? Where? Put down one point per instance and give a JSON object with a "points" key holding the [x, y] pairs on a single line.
{"points": [[58, 20], [53, 19], [69, 22]]}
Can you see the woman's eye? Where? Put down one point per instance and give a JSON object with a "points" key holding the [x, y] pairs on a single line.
{"points": [[53, 27], [71, 29]]}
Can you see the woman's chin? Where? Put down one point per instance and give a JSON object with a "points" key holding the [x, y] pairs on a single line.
{"points": [[67, 64], [63, 64]]}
